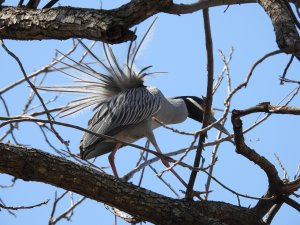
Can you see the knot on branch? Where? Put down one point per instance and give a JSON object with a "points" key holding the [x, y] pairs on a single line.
{"points": [[235, 119]]}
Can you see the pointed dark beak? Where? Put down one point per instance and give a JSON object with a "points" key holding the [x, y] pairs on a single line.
{"points": [[218, 126]]}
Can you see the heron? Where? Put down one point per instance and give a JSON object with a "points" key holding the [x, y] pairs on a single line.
{"points": [[125, 108]]}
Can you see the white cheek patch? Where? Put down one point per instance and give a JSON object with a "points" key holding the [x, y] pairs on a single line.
{"points": [[199, 106], [195, 103]]}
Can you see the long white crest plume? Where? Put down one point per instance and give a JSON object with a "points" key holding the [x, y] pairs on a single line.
{"points": [[100, 87]]}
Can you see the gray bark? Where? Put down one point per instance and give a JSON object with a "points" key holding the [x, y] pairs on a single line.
{"points": [[112, 26], [32, 164]]}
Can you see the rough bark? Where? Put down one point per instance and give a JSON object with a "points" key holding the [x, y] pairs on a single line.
{"points": [[112, 26], [283, 20], [34, 165]]}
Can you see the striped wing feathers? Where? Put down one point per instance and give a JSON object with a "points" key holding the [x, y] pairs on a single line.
{"points": [[128, 108]]}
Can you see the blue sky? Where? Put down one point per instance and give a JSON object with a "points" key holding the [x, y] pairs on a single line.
{"points": [[176, 46]]}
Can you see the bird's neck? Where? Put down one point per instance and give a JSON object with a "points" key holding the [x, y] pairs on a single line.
{"points": [[172, 111]]}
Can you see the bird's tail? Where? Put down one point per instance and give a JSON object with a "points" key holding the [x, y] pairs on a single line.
{"points": [[98, 87]]}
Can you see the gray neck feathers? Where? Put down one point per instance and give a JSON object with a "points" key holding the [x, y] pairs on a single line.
{"points": [[172, 111]]}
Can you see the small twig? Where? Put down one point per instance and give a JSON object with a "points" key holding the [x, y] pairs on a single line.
{"points": [[34, 89], [211, 168], [145, 159], [234, 192], [293, 94], [56, 200], [227, 7], [26, 118], [286, 69], [47, 140], [12, 127], [8, 210], [285, 175], [159, 177], [86, 52], [182, 157], [24, 207], [46, 103], [297, 172], [173, 129], [214, 153], [40, 71], [13, 181], [248, 76], [67, 212], [239, 200], [286, 80]]}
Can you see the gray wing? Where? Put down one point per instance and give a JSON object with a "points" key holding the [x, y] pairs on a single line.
{"points": [[129, 107]]}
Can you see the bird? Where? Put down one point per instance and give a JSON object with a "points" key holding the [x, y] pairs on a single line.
{"points": [[125, 108]]}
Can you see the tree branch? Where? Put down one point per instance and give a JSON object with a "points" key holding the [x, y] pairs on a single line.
{"points": [[112, 26], [252, 155], [31, 164], [276, 186], [284, 23], [61, 23], [208, 100]]}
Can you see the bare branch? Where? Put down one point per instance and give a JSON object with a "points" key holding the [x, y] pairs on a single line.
{"points": [[65, 214], [67, 22], [50, 4], [286, 69], [252, 155], [208, 101], [284, 24], [104, 188], [34, 89], [9, 120], [45, 69], [291, 202], [24, 207], [290, 187]]}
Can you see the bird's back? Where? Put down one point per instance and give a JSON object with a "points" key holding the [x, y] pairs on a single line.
{"points": [[120, 113]]}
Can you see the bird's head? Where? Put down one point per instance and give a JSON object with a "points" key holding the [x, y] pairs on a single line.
{"points": [[195, 107]]}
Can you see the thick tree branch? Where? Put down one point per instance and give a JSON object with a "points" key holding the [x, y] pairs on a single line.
{"points": [[252, 155], [283, 20], [109, 26], [112, 26], [291, 202], [276, 186], [34, 165]]}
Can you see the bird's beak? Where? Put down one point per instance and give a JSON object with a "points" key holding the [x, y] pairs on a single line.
{"points": [[218, 126]]}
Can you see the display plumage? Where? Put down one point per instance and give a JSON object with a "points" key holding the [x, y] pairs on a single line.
{"points": [[124, 107]]}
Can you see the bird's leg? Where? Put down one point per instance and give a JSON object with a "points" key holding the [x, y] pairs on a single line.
{"points": [[167, 164], [111, 159], [152, 140]]}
